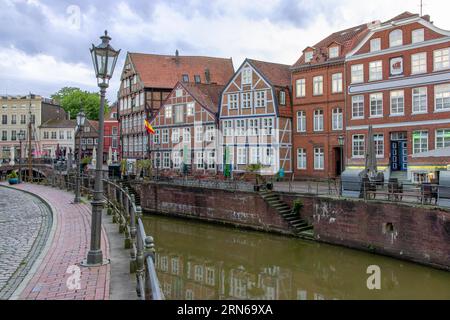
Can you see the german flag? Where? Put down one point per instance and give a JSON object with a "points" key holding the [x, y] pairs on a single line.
{"points": [[149, 127]]}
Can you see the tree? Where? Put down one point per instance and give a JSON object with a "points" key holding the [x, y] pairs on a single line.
{"points": [[72, 99]]}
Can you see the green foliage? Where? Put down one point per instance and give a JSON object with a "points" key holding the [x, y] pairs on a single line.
{"points": [[123, 166], [72, 99], [254, 167], [145, 166], [12, 175], [86, 160], [297, 206]]}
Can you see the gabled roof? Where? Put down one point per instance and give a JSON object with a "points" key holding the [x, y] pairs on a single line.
{"points": [[59, 123], [402, 16], [207, 95], [347, 38], [164, 71], [277, 74]]}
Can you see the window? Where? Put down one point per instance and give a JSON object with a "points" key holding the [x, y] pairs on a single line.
{"points": [[227, 128], [357, 73], [357, 107], [210, 276], [419, 63], [186, 135], [166, 160], [69, 135], [176, 155], [168, 111], [319, 159], [156, 137], [336, 82], [240, 127], [375, 70], [358, 146], [308, 56], [23, 119], [376, 105], [379, 145], [300, 88], [253, 125], [165, 136], [301, 159], [211, 159], [179, 116], [301, 121], [337, 119], [4, 119], [441, 59], [420, 141], [396, 38], [442, 97], [14, 119], [46, 135], [318, 85], [418, 35], [267, 126], [260, 99], [185, 78], [199, 160], [241, 156], [233, 101], [13, 135], [178, 93], [442, 138], [53, 134], [254, 155], [246, 100], [210, 132], [318, 120], [333, 52], [397, 102], [114, 142], [175, 135], [198, 133], [247, 76], [4, 135], [190, 109], [282, 98], [197, 79], [419, 100], [61, 135], [375, 45]]}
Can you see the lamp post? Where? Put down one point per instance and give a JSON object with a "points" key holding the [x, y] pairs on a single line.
{"points": [[81, 118], [341, 142], [104, 58], [21, 139]]}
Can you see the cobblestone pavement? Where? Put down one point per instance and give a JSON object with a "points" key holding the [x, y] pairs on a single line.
{"points": [[59, 276], [25, 222]]}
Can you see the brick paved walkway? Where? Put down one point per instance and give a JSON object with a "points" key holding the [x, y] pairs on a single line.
{"points": [[69, 247]]}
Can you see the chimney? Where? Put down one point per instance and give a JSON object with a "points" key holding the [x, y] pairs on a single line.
{"points": [[207, 76], [177, 57], [426, 17]]}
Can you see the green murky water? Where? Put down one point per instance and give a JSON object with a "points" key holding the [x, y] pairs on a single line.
{"points": [[202, 261]]}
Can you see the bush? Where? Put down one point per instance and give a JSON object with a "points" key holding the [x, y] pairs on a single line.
{"points": [[12, 175], [86, 160]]}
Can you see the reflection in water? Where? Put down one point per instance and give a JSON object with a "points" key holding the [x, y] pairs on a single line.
{"points": [[201, 261]]}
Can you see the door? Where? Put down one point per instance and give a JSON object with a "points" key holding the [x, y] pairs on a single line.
{"points": [[399, 156]]}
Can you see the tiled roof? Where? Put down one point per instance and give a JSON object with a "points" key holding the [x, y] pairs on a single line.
{"points": [[404, 15], [277, 74], [347, 38], [112, 109], [59, 123], [93, 123], [164, 71], [206, 94]]}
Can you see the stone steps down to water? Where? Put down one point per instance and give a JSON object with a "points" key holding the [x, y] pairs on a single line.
{"points": [[131, 190], [301, 227]]}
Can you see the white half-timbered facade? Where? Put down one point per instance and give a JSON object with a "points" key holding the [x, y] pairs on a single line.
{"points": [[185, 139], [255, 118]]}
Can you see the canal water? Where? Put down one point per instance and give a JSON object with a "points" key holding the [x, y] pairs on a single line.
{"points": [[201, 261]]}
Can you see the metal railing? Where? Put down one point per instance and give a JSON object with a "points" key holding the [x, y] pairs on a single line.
{"points": [[230, 185], [328, 187], [122, 206]]}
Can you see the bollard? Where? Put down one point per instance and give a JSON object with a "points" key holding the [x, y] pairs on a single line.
{"points": [[149, 251]]}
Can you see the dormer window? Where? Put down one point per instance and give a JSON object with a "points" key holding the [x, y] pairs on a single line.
{"points": [[308, 56], [247, 76], [197, 79], [333, 52], [185, 78], [396, 38], [375, 45]]}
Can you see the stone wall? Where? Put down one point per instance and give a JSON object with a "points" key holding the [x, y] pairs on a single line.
{"points": [[412, 233]]}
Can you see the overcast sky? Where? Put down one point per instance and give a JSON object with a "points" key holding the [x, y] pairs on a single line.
{"points": [[44, 43]]}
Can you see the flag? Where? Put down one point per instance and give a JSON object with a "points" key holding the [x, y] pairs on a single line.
{"points": [[148, 127]]}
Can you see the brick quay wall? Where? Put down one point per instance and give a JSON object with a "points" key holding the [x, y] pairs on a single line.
{"points": [[413, 233]]}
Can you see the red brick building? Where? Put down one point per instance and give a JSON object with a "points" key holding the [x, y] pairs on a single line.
{"points": [[398, 80], [185, 139], [318, 82], [111, 135], [146, 82]]}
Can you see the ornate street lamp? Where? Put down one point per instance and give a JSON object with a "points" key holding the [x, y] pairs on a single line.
{"points": [[21, 139], [81, 118], [104, 58]]}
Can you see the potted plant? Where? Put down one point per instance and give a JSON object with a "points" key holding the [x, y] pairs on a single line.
{"points": [[13, 178], [255, 169], [85, 161], [144, 167]]}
